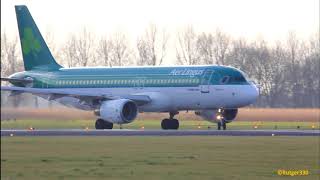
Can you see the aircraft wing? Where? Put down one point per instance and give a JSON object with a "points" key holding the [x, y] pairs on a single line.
{"points": [[84, 96]]}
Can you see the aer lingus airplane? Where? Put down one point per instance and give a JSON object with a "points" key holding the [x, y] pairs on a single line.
{"points": [[117, 94]]}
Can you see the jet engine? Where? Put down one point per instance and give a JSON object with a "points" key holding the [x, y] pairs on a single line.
{"points": [[119, 111], [215, 115], [229, 114], [209, 115]]}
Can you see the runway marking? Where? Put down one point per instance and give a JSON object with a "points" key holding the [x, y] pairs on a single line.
{"points": [[133, 132]]}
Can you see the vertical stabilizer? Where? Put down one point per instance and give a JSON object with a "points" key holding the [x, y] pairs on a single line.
{"points": [[35, 52]]}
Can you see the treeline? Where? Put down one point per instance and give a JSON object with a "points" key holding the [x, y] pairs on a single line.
{"points": [[287, 72]]}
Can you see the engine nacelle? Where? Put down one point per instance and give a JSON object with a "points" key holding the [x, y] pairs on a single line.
{"points": [[229, 114], [119, 111], [211, 115]]}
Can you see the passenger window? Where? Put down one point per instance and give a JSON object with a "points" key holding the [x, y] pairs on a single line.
{"points": [[225, 80]]}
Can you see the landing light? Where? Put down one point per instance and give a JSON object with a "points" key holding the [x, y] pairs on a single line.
{"points": [[219, 117]]}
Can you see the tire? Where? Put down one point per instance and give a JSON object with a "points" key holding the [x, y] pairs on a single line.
{"points": [[169, 124], [107, 125], [99, 124], [175, 124], [102, 124], [165, 124]]}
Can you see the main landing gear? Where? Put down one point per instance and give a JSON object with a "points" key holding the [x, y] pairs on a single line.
{"points": [[221, 120], [170, 123], [101, 124]]}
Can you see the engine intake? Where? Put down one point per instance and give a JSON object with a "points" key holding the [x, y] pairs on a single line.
{"points": [[119, 111], [229, 114]]}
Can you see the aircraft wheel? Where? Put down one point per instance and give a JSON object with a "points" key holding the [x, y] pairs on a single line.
{"points": [[175, 124], [102, 124], [165, 124], [170, 124]]}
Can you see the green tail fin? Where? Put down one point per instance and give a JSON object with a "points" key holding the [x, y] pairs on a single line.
{"points": [[35, 52]]}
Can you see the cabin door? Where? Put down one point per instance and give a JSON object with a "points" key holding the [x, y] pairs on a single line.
{"points": [[205, 81]]}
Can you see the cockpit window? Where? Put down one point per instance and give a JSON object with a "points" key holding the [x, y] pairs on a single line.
{"points": [[224, 80], [239, 79], [244, 76]]}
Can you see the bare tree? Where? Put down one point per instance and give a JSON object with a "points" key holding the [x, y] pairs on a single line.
{"points": [[310, 70], [104, 50], [84, 46], [295, 60], [121, 52], [205, 44], [277, 81], [10, 62], [221, 45], [79, 49], [152, 46], [213, 48], [238, 55], [9, 56], [187, 50], [292, 45], [52, 44], [4, 45], [70, 50]]}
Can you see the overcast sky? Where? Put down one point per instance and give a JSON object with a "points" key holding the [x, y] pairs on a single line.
{"points": [[271, 19]]}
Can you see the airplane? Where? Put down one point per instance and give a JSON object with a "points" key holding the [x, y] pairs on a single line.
{"points": [[117, 94]]}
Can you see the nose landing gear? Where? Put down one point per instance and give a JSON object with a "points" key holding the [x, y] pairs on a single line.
{"points": [[221, 120], [223, 124], [170, 123]]}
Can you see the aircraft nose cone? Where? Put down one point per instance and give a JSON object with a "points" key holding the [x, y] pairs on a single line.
{"points": [[254, 93]]}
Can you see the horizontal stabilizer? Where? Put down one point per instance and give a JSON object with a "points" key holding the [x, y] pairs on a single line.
{"points": [[13, 80]]}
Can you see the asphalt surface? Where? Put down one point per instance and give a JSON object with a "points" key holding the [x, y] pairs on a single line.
{"points": [[127, 132]]}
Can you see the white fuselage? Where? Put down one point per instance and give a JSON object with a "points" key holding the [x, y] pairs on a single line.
{"points": [[165, 99]]}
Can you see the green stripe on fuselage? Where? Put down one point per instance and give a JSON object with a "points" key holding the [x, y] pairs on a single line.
{"points": [[180, 76]]}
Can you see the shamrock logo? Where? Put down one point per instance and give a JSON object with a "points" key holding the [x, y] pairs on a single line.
{"points": [[30, 43]]}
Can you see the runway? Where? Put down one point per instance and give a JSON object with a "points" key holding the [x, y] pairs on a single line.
{"points": [[127, 132]]}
